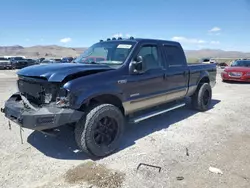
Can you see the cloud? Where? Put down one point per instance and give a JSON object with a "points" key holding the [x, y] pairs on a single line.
{"points": [[188, 40], [215, 42], [121, 35], [215, 29], [66, 40]]}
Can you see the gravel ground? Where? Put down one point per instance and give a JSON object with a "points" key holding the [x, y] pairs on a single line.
{"points": [[183, 143]]}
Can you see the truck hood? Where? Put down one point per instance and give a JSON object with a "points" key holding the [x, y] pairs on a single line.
{"points": [[60, 71]]}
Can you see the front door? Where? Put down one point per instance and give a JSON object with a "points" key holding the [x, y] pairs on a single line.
{"points": [[147, 89]]}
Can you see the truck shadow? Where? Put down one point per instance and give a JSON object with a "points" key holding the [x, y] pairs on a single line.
{"points": [[61, 147], [64, 147], [140, 130]]}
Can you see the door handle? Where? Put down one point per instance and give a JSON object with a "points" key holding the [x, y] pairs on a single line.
{"points": [[185, 73], [165, 76]]}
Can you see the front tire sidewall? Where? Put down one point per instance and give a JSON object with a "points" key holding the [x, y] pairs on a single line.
{"points": [[91, 122]]}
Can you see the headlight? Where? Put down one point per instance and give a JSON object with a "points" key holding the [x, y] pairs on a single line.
{"points": [[224, 72], [248, 74], [63, 92], [62, 99]]}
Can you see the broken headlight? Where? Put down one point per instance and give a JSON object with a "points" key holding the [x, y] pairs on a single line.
{"points": [[62, 99], [47, 98]]}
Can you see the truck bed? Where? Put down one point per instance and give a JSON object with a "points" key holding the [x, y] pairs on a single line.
{"points": [[195, 72]]}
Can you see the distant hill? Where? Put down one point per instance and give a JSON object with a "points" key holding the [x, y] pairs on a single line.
{"points": [[216, 54], [59, 51], [40, 51]]}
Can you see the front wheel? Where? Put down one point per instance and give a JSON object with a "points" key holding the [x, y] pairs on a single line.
{"points": [[201, 99], [100, 131]]}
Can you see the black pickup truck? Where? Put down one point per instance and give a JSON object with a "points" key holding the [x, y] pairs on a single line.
{"points": [[20, 62], [135, 80]]}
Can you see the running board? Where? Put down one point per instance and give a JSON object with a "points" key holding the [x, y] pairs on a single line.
{"points": [[156, 113]]}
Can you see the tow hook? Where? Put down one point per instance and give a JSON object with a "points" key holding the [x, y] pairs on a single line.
{"points": [[2, 110]]}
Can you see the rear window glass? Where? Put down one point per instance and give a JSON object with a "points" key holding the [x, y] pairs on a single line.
{"points": [[174, 56]]}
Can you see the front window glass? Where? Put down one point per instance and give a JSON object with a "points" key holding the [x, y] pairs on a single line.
{"points": [[149, 54], [108, 53]]}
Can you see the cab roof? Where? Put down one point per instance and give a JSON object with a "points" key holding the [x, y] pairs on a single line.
{"points": [[132, 39]]}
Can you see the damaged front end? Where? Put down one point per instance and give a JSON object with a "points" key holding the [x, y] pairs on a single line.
{"points": [[40, 105]]}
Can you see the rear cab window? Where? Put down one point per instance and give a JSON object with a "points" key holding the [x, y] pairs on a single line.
{"points": [[174, 55]]}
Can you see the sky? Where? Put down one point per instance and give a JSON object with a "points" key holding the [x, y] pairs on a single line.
{"points": [[196, 24]]}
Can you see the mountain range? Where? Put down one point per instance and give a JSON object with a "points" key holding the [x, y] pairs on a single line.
{"points": [[54, 51], [50, 51]]}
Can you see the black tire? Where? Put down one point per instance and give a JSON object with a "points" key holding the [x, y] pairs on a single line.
{"points": [[86, 127], [201, 99]]}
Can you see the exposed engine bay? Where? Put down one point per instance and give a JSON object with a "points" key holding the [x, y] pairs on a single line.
{"points": [[38, 91]]}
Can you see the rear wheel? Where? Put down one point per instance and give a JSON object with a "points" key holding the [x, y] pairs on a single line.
{"points": [[201, 99], [100, 131]]}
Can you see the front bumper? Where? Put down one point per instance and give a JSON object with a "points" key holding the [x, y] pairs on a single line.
{"points": [[47, 117], [243, 78]]}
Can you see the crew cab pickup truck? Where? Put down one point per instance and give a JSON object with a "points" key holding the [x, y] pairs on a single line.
{"points": [[138, 79], [20, 62]]}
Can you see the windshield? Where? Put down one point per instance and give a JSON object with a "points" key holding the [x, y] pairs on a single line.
{"points": [[108, 53], [240, 64]]}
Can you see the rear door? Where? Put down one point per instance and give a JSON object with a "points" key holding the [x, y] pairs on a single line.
{"points": [[177, 72], [147, 89]]}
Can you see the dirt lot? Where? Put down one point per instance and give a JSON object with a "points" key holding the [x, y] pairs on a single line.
{"points": [[183, 143]]}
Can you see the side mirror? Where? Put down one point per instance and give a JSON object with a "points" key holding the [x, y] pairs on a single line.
{"points": [[138, 59], [136, 66]]}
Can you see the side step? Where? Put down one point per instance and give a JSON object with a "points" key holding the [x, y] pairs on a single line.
{"points": [[155, 113]]}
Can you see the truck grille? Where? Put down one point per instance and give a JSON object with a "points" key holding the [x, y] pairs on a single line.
{"points": [[37, 90], [34, 92]]}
